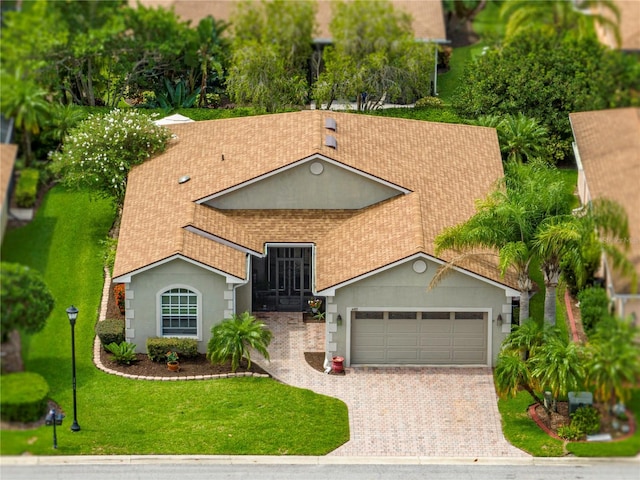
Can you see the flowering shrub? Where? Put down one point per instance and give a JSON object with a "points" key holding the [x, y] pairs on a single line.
{"points": [[100, 151], [315, 303], [118, 292]]}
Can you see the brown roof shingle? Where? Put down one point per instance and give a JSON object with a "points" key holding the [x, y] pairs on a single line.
{"points": [[444, 167], [427, 16], [608, 142]]}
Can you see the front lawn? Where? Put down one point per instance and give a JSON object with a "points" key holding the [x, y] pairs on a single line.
{"points": [[522, 432], [120, 416]]}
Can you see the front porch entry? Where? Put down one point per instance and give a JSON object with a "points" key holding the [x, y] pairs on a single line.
{"points": [[282, 280]]}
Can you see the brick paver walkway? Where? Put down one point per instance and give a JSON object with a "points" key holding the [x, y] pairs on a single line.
{"points": [[421, 411]]}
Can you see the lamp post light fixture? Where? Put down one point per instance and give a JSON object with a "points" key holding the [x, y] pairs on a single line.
{"points": [[54, 419], [72, 313]]}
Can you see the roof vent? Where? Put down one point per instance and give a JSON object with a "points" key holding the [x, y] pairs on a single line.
{"points": [[184, 179], [330, 141], [331, 124]]}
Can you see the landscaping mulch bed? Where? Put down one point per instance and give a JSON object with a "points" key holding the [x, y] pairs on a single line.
{"points": [[554, 420], [199, 365]]}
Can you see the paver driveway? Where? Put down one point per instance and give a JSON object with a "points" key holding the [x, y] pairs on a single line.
{"points": [[421, 411]]}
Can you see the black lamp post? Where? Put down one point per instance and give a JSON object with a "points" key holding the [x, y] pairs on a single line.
{"points": [[54, 419], [72, 313]]}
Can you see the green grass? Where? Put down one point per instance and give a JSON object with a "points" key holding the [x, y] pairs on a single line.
{"points": [[122, 416], [524, 433], [447, 82]]}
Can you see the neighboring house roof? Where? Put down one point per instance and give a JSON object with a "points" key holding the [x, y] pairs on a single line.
{"points": [[439, 170], [428, 19], [629, 25], [608, 144], [8, 153]]}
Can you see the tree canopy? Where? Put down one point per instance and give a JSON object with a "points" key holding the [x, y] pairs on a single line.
{"points": [[374, 57], [546, 76], [26, 301], [271, 49]]}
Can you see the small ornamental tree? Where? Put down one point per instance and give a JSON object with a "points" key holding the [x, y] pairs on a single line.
{"points": [[98, 153], [25, 304], [233, 339]]}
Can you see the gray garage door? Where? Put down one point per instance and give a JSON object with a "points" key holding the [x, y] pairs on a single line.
{"points": [[419, 338]]}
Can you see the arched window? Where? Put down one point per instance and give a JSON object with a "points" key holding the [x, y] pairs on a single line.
{"points": [[179, 312]]}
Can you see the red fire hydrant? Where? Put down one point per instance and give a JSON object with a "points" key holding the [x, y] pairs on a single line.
{"points": [[337, 365]]}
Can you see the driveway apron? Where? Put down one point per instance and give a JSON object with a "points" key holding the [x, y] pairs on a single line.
{"points": [[395, 411]]}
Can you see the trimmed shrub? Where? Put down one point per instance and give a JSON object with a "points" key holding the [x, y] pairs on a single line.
{"points": [[24, 397], [594, 306], [157, 347], [429, 102], [586, 420], [27, 187], [110, 330]]}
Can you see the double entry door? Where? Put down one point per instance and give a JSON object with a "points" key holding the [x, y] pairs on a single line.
{"points": [[282, 280]]}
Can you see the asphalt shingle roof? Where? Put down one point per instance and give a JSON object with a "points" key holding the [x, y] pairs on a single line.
{"points": [[609, 145], [444, 168], [427, 16]]}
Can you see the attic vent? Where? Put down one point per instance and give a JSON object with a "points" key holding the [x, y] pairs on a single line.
{"points": [[184, 179], [331, 124], [330, 141]]}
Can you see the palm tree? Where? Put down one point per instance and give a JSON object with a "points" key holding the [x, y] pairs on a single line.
{"points": [[512, 374], [234, 338], [506, 221], [525, 338], [26, 103], [561, 239], [613, 361], [521, 138], [557, 366], [561, 16]]}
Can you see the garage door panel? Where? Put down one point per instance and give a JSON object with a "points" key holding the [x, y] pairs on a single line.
{"points": [[436, 326], [436, 341], [470, 356], [462, 343], [403, 326], [435, 338], [366, 341], [402, 340], [402, 356], [371, 356], [371, 326], [435, 357], [469, 327]]}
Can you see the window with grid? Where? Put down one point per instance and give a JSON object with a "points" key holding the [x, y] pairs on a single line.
{"points": [[179, 312]]}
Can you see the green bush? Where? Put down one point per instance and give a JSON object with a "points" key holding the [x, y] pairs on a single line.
{"points": [[586, 420], [24, 397], [594, 306], [110, 330], [123, 353], [157, 348], [569, 432], [27, 187], [429, 102]]}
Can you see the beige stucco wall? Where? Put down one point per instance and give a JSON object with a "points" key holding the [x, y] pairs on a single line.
{"points": [[298, 187], [402, 287], [142, 304]]}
